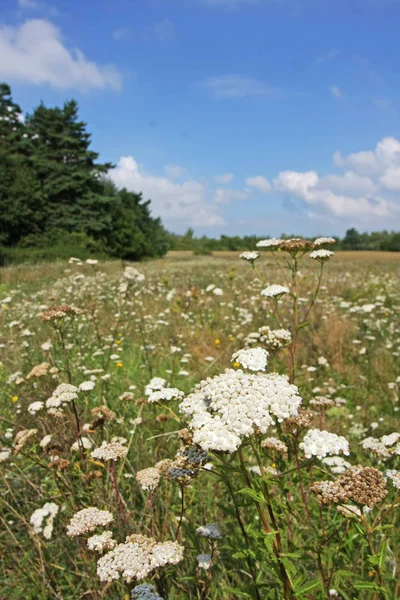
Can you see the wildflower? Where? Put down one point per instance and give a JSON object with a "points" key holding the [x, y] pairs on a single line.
{"points": [[269, 244], [321, 443], [45, 441], [217, 342], [84, 442], [86, 386], [272, 443], [321, 402], [145, 591], [349, 511], [91, 261], [156, 383], [39, 370], [274, 291], [22, 437], [14, 399], [363, 485], [234, 405], [132, 274], [110, 451], [395, 477], [54, 313], [165, 394], [102, 542], [42, 519], [254, 359], [63, 394], [4, 454], [86, 521], [211, 531], [148, 479], [321, 255], [218, 291], [322, 241], [204, 561], [34, 407], [336, 464], [251, 257], [137, 558]]}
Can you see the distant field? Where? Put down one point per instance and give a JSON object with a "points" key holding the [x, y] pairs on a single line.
{"points": [[362, 255]]}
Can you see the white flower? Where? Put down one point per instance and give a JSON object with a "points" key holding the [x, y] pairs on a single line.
{"points": [[274, 291], [91, 261], [336, 464], [254, 359], [63, 394], [86, 386], [86, 521], [321, 254], [211, 531], [148, 479], [86, 443], [156, 383], [45, 441], [321, 443], [165, 394], [110, 451], [102, 542], [250, 256], [235, 404], [395, 477], [133, 274], [218, 292], [204, 561], [35, 407], [321, 241], [42, 519], [4, 454], [271, 243]]}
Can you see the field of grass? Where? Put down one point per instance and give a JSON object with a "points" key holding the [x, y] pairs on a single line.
{"points": [[279, 533]]}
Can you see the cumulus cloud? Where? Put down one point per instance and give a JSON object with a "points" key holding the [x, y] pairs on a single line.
{"points": [[236, 86], [174, 171], [366, 190], [34, 53], [224, 178], [178, 204], [260, 183]]}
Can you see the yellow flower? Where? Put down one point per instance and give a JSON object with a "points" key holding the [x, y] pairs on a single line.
{"points": [[119, 364], [4, 306], [232, 339], [236, 365], [217, 342], [118, 341], [274, 465], [14, 399]]}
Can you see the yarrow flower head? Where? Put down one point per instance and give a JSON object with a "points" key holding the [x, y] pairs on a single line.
{"points": [[110, 451], [254, 359], [137, 558], [55, 313], [86, 521], [102, 542], [42, 519], [274, 291], [165, 394], [145, 591], [320, 443], [148, 479], [204, 561], [324, 241], [362, 485], [156, 383], [235, 404], [322, 254], [274, 339], [63, 394], [270, 244], [395, 477], [251, 257]]}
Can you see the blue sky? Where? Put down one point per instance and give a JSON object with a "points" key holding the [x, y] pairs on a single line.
{"points": [[233, 116]]}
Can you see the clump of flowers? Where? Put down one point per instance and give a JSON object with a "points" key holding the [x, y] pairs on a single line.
{"points": [[102, 542], [137, 558], [22, 437], [63, 394], [274, 291], [87, 520], [250, 257], [145, 591], [234, 405], [254, 359], [165, 394], [322, 254], [363, 485], [211, 531], [149, 478], [320, 443], [110, 451], [42, 519], [55, 313]]}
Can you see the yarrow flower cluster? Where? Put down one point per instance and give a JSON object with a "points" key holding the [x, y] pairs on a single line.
{"points": [[274, 291], [165, 394], [363, 485], [394, 476], [110, 451], [63, 394], [274, 339], [155, 384], [137, 558], [54, 313], [42, 519], [254, 359], [145, 591], [149, 478], [384, 447], [235, 404], [250, 256], [269, 244], [320, 443], [86, 521], [211, 531], [321, 254], [324, 241], [102, 542]]}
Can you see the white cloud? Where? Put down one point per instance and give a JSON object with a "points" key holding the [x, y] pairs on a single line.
{"points": [[260, 183], [164, 29], [122, 33], [174, 171], [372, 162], [34, 53], [224, 196], [224, 178], [336, 91], [29, 4], [235, 86], [391, 178], [332, 53], [350, 182], [178, 205]]}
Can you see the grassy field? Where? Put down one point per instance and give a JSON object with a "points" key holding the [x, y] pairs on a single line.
{"points": [[279, 533]]}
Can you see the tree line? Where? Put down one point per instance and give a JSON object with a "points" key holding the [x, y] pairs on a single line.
{"points": [[353, 240], [55, 198]]}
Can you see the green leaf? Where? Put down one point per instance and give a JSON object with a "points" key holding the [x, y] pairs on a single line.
{"points": [[308, 587], [256, 496]]}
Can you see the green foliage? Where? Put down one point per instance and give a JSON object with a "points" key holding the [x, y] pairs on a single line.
{"points": [[53, 190]]}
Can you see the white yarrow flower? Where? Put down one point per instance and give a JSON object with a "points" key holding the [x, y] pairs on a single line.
{"points": [[320, 443], [254, 359], [274, 291]]}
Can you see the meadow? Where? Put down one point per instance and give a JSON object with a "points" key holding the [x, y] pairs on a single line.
{"points": [[201, 427]]}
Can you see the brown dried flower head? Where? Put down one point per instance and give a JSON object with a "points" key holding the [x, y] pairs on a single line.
{"points": [[363, 485], [39, 370], [54, 313]]}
